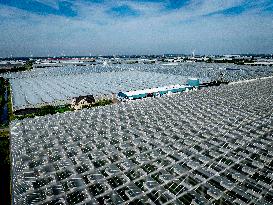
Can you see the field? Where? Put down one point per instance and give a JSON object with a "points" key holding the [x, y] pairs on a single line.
{"points": [[211, 146], [58, 85]]}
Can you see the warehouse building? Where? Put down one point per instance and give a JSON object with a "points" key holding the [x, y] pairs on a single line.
{"points": [[194, 82], [159, 91]]}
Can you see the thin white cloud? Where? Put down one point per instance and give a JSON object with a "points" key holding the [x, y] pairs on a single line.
{"points": [[52, 3], [96, 32]]}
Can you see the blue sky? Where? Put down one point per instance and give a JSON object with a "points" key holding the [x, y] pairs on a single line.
{"points": [[106, 27]]}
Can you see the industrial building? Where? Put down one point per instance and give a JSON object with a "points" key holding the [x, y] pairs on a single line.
{"points": [[159, 91]]}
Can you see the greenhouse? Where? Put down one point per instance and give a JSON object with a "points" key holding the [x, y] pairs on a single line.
{"points": [[58, 85], [30, 92], [211, 146]]}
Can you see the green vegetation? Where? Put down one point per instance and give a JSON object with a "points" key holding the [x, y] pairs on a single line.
{"points": [[240, 63], [233, 60], [49, 109], [5, 86], [101, 102], [10, 110], [4, 144], [4, 133], [209, 60], [27, 66]]}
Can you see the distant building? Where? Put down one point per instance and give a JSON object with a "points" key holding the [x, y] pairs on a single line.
{"points": [[232, 56], [194, 82], [158, 91], [81, 101]]}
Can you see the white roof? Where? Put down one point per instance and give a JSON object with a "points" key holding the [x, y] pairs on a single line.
{"points": [[154, 90]]}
